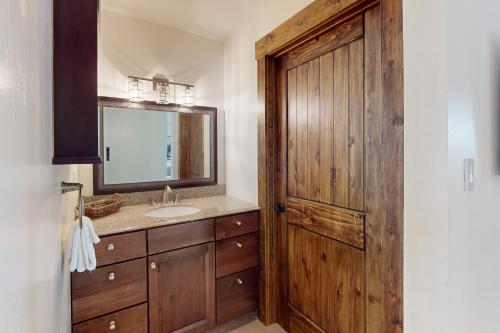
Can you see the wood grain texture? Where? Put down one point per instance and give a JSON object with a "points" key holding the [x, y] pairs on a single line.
{"points": [[374, 186], [313, 130], [300, 324], [341, 126], [182, 290], [180, 235], [340, 224], [302, 105], [326, 114], [132, 320], [117, 248], [326, 42], [237, 254], [237, 294], [292, 131], [95, 294], [356, 125], [316, 14], [236, 225]]}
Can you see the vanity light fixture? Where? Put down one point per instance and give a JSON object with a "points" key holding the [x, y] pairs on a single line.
{"points": [[135, 89], [183, 94]]}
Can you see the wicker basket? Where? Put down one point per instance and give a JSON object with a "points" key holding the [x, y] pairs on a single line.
{"points": [[104, 207]]}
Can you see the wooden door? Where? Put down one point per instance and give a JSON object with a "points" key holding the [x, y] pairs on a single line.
{"points": [[182, 290], [325, 87]]}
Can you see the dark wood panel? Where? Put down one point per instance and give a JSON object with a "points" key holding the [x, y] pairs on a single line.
{"points": [[326, 114], [237, 254], [340, 224], [356, 125], [182, 290], [237, 294], [75, 82], [113, 249], [349, 310], [300, 324], [292, 131], [180, 235], [302, 162], [341, 126], [374, 182], [236, 225], [313, 130], [108, 289], [328, 265], [326, 42], [132, 320], [191, 146]]}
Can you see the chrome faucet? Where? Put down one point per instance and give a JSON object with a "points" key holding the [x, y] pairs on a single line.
{"points": [[167, 194]]}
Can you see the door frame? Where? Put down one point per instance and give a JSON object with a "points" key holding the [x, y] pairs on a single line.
{"points": [[384, 259]]}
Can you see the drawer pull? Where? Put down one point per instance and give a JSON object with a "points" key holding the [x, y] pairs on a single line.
{"points": [[153, 265], [111, 247], [240, 281], [239, 245], [238, 223], [111, 276], [112, 325]]}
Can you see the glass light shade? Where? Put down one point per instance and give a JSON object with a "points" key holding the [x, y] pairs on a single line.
{"points": [[189, 99], [162, 93], [135, 90], [180, 94]]}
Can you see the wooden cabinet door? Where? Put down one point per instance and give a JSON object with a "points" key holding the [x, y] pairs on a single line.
{"points": [[182, 290], [328, 88]]}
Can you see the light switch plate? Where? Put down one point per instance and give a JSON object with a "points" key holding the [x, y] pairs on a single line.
{"points": [[469, 174]]}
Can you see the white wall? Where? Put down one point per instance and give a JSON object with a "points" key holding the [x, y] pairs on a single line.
{"points": [[240, 94], [426, 160], [129, 46], [474, 132], [34, 287]]}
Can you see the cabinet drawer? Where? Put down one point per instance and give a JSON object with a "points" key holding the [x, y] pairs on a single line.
{"points": [[236, 225], [237, 254], [133, 320], [113, 249], [237, 295], [108, 289], [180, 235]]}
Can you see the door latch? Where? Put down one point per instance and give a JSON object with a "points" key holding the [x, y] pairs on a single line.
{"points": [[280, 208]]}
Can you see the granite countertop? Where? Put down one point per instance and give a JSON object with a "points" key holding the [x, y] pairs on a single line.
{"points": [[130, 218]]}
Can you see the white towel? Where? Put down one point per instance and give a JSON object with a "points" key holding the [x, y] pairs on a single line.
{"points": [[82, 256]]}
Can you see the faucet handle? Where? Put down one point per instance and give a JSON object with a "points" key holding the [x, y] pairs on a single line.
{"points": [[177, 200], [152, 202]]}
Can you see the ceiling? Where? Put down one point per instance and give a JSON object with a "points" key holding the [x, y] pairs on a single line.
{"points": [[209, 18]]}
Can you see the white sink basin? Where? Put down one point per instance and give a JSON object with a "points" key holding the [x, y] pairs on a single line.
{"points": [[173, 211]]}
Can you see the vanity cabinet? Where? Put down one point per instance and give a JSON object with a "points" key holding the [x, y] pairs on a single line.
{"points": [[187, 277]]}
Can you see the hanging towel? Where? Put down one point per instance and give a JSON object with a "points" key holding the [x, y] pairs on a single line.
{"points": [[82, 254]]}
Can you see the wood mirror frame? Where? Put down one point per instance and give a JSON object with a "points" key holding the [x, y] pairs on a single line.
{"points": [[101, 188]]}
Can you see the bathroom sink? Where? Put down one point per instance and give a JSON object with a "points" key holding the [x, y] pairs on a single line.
{"points": [[173, 211]]}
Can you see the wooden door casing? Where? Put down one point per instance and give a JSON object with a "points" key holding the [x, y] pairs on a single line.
{"points": [[182, 290]]}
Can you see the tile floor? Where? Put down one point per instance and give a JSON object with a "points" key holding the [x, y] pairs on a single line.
{"points": [[257, 327]]}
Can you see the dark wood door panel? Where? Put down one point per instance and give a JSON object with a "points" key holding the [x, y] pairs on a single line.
{"points": [[326, 281], [237, 254], [108, 289], [341, 224], [182, 290]]}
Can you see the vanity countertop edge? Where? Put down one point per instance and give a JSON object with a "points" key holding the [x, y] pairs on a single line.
{"points": [[133, 218]]}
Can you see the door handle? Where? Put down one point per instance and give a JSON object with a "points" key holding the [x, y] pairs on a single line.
{"points": [[280, 208]]}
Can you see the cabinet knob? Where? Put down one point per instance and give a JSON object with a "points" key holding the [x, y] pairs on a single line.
{"points": [[112, 325], [239, 245], [238, 223], [240, 281], [111, 247], [111, 276], [153, 265]]}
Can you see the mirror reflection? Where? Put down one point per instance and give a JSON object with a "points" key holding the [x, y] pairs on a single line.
{"points": [[141, 145]]}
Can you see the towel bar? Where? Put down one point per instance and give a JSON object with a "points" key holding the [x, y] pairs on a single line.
{"points": [[70, 187]]}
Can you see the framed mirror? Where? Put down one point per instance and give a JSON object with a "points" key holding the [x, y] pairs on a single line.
{"points": [[146, 146]]}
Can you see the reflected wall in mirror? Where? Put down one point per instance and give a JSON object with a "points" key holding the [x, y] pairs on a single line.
{"points": [[146, 146]]}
